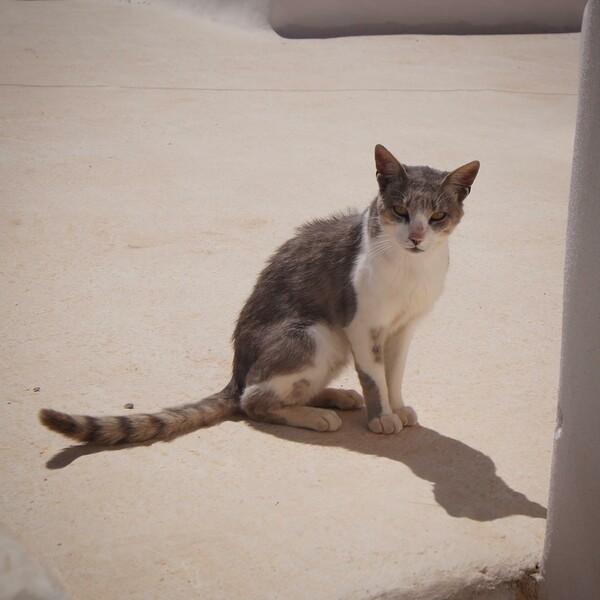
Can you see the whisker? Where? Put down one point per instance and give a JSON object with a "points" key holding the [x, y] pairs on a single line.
{"points": [[379, 249]]}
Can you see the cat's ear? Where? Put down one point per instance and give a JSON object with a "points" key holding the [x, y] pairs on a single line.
{"points": [[462, 179], [388, 168]]}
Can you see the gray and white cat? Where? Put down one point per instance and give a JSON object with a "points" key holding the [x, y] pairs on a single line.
{"points": [[352, 286]]}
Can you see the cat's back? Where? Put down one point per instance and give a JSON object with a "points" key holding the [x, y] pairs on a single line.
{"points": [[337, 236], [321, 249], [309, 276]]}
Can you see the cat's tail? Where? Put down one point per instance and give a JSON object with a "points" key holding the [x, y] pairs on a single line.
{"points": [[164, 425]]}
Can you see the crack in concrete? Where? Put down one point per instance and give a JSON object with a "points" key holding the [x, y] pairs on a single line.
{"points": [[281, 90]]}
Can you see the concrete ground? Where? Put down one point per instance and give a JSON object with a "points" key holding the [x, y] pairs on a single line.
{"points": [[151, 161]]}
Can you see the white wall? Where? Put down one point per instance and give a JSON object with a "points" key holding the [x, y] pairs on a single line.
{"points": [[571, 566]]}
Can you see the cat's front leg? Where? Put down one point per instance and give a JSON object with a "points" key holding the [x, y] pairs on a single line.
{"points": [[396, 353], [368, 358]]}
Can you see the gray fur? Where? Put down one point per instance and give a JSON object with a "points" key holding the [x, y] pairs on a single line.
{"points": [[308, 280], [370, 393]]}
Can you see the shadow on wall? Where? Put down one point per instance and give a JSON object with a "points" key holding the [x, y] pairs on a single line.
{"points": [[334, 18], [464, 480]]}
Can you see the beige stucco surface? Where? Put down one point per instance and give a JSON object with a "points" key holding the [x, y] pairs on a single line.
{"points": [[151, 160]]}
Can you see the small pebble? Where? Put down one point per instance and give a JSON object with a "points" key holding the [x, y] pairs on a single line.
{"points": [[128, 405], [36, 389]]}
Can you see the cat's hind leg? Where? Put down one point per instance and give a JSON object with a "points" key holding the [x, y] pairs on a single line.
{"points": [[261, 403], [295, 366]]}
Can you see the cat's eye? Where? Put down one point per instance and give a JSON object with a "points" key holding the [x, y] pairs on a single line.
{"points": [[400, 211], [438, 215]]}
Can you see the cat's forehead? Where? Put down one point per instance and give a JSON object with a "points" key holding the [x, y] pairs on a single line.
{"points": [[421, 188], [423, 180], [424, 174]]}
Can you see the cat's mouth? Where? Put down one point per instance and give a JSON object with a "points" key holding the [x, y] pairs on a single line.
{"points": [[415, 250]]}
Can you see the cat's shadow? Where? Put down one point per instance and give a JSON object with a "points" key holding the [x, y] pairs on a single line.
{"points": [[464, 479], [465, 483]]}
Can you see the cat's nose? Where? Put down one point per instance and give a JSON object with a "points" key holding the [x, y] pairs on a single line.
{"points": [[416, 240]]}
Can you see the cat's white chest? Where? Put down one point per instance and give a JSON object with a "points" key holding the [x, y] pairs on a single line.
{"points": [[393, 291]]}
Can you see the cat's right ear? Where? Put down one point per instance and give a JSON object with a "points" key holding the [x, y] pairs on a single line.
{"points": [[388, 168]]}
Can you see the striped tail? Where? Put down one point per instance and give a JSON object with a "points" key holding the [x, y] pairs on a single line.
{"points": [[165, 425]]}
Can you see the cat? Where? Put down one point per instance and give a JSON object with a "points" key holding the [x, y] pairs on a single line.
{"points": [[353, 285]]}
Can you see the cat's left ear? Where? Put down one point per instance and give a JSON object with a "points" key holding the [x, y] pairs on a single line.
{"points": [[462, 179]]}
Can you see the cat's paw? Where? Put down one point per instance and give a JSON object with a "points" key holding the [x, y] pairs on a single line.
{"points": [[408, 415], [338, 398], [386, 424], [348, 400], [327, 420]]}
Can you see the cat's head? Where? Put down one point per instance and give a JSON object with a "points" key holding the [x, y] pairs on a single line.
{"points": [[419, 206]]}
